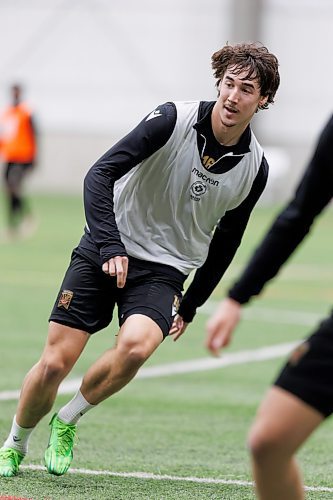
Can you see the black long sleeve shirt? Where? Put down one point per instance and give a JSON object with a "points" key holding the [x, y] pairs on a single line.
{"points": [[292, 225], [102, 240]]}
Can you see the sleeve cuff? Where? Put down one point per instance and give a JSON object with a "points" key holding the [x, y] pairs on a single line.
{"points": [[116, 249], [238, 297], [187, 310]]}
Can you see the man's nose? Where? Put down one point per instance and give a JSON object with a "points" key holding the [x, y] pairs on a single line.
{"points": [[234, 95]]}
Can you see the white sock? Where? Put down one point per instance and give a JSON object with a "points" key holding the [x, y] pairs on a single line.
{"points": [[18, 437], [73, 411]]}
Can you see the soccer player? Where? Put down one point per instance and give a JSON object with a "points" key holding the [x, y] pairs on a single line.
{"points": [[302, 395], [172, 196], [18, 149]]}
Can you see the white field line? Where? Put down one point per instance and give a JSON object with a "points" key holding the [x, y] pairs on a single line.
{"points": [[193, 366], [167, 477], [196, 365], [253, 313], [270, 315]]}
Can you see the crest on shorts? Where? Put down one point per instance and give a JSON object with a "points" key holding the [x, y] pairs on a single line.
{"points": [[175, 305], [298, 353], [65, 298]]}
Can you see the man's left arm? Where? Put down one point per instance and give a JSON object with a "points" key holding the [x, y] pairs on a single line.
{"points": [[227, 238]]}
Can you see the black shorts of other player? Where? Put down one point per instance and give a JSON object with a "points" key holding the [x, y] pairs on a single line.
{"points": [[308, 373], [88, 296]]}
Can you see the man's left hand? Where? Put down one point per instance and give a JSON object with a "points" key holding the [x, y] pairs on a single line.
{"points": [[178, 327]]}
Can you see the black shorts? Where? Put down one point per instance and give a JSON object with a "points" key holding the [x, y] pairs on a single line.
{"points": [[15, 172], [308, 374], [88, 296]]}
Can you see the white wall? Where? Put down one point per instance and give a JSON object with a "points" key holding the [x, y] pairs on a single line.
{"points": [[300, 33], [93, 68], [100, 65]]}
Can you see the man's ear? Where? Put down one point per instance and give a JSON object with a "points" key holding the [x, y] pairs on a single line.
{"points": [[263, 101]]}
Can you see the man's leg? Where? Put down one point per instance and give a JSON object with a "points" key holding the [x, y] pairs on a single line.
{"points": [[63, 347], [138, 338], [282, 424]]}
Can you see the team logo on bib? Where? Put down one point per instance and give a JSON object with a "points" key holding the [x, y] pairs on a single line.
{"points": [[198, 189]]}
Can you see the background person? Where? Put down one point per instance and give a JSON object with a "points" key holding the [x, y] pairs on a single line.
{"points": [[302, 395], [18, 150]]}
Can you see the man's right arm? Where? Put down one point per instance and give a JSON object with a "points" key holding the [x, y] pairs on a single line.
{"points": [[294, 222], [144, 140], [286, 233]]}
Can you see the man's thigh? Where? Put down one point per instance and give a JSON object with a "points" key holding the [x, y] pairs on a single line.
{"points": [[64, 343], [285, 420], [158, 301], [14, 175], [308, 373], [154, 291], [86, 298]]}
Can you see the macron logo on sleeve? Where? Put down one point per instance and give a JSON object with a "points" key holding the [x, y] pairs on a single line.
{"points": [[154, 114]]}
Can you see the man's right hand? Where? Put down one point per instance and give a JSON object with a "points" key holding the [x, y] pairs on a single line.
{"points": [[117, 266], [222, 324]]}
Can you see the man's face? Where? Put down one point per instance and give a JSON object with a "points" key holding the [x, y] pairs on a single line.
{"points": [[239, 98]]}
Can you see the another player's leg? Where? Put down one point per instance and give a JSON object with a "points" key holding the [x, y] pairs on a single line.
{"points": [[282, 424], [138, 338], [64, 346]]}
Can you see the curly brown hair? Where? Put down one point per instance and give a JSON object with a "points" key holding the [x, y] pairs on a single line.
{"points": [[254, 58]]}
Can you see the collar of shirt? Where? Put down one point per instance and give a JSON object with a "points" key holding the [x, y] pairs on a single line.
{"points": [[204, 127]]}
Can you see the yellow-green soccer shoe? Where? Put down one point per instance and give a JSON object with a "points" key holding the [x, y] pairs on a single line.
{"points": [[59, 453], [10, 460]]}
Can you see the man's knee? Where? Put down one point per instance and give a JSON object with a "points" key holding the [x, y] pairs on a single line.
{"points": [[135, 349], [138, 338], [53, 367], [263, 443], [63, 347], [56, 362]]}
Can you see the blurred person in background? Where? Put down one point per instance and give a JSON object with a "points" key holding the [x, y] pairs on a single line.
{"points": [[302, 395], [172, 196], [18, 151]]}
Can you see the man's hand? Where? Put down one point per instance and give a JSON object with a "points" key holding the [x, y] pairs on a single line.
{"points": [[221, 325], [117, 266], [178, 327]]}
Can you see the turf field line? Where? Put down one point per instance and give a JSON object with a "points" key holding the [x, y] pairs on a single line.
{"points": [[283, 316], [204, 364], [196, 365], [167, 477]]}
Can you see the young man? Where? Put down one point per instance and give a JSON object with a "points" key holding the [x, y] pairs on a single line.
{"points": [[172, 196], [18, 150], [302, 395]]}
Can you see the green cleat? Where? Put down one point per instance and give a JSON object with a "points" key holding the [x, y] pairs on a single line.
{"points": [[10, 460], [59, 453]]}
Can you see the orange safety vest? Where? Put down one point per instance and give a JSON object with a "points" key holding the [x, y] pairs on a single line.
{"points": [[17, 140]]}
